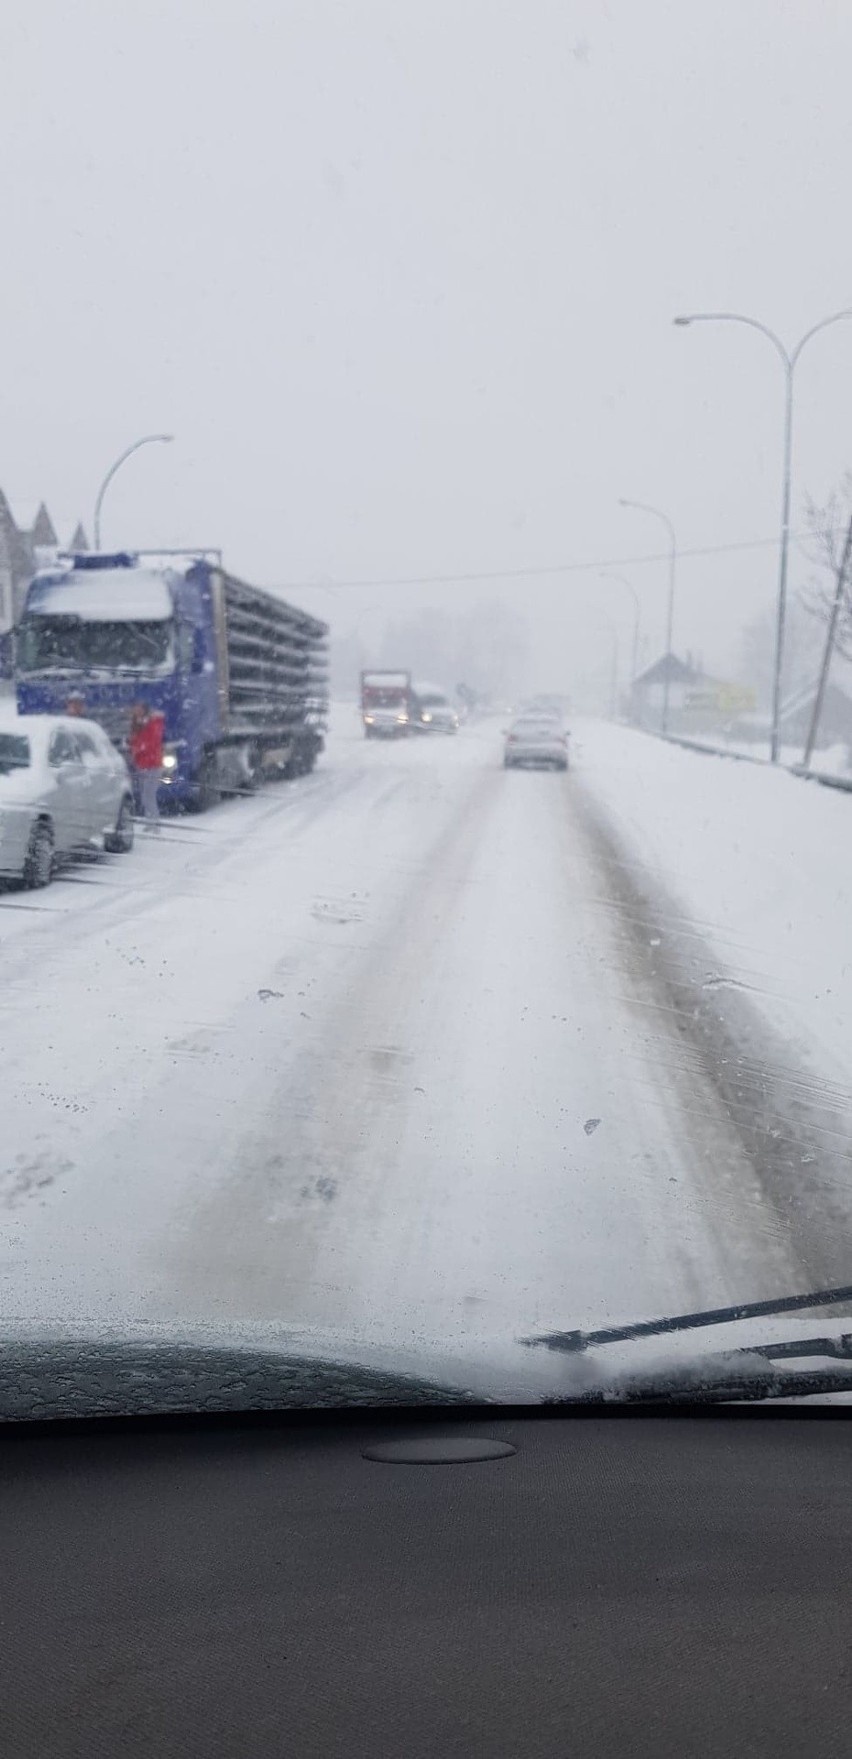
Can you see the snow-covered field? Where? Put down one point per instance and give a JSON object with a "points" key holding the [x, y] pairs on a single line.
{"points": [[386, 1048]]}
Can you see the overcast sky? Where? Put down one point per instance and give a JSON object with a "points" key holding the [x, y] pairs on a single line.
{"points": [[399, 275]]}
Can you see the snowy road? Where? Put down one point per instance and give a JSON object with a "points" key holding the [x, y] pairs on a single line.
{"points": [[381, 1048]]}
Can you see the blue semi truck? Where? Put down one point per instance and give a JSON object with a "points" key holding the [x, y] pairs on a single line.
{"points": [[240, 676]]}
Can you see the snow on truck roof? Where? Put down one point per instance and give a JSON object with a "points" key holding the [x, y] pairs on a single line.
{"points": [[135, 587], [110, 595]]}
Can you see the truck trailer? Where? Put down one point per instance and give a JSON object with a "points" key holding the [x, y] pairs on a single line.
{"points": [[240, 676]]}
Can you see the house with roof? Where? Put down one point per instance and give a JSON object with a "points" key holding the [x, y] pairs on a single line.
{"points": [[28, 538], [697, 701], [835, 724]]}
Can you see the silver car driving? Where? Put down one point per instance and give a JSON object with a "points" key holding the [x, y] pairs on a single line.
{"points": [[64, 789], [536, 741]]}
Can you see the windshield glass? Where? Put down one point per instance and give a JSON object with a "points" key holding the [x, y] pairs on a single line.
{"points": [[73, 644], [428, 462], [14, 752], [389, 698]]}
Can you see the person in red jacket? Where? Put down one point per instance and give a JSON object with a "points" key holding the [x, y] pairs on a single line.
{"points": [[147, 727]]}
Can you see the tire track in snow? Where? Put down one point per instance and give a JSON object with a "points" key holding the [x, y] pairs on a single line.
{"points": [[428, 1159], [790, 1123]]}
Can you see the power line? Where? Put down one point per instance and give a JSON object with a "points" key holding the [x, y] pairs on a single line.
{"points": [[536, 572]]}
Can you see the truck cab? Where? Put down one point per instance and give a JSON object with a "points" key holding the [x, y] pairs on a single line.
{"points": [[386, 704]]}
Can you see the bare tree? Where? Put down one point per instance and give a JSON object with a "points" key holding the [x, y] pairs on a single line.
{"points": [[838, 623], [802, 654], [827, 528]]}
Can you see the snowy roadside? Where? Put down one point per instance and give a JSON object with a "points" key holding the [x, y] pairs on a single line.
{"points": [[758, 861], [828, 760]]}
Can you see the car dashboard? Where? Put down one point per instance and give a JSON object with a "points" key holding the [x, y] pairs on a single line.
{"points": [[460, 1582]]}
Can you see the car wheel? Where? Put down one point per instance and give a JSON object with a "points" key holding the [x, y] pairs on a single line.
{"points": [[120, 841], [38, 867]]}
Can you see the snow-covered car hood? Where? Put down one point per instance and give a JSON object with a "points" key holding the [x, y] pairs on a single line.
{"points": [[88, 1370]]}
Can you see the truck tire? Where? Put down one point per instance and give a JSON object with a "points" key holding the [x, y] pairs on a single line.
{"points": [[253, 771], [38, 866], [206, 791], [302, 759]]}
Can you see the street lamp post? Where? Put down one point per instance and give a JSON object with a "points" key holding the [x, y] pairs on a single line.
{"points": [[146, 440], [789, 359], [613, 680], [623, 581], [643, 507]]}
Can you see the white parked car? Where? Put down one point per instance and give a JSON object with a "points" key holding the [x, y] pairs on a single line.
{"points": [[64, 789], [536, 741]]}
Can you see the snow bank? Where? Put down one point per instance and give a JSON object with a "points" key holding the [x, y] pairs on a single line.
{"points": [[759, 860], [828, 760]]}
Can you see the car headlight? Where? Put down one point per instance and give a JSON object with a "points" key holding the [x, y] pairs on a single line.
{"points": [[169, 760], [425, 717]]}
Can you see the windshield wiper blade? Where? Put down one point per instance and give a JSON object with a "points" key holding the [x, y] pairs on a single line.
{"points": [[714, 1383], [576, 1341], [796, 1347]]}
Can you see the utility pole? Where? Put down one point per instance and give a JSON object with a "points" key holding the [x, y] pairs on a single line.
{"points": [[837, 603], [613, 689]]}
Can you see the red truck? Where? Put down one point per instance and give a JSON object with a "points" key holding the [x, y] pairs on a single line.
{"points": [[386, 704]]}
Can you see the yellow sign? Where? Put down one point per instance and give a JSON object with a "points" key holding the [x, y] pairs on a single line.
{"points": [[727, 699], [739, 698]]}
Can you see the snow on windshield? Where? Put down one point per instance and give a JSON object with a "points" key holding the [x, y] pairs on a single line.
{"points": [[66, 643], [503, 370]]}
